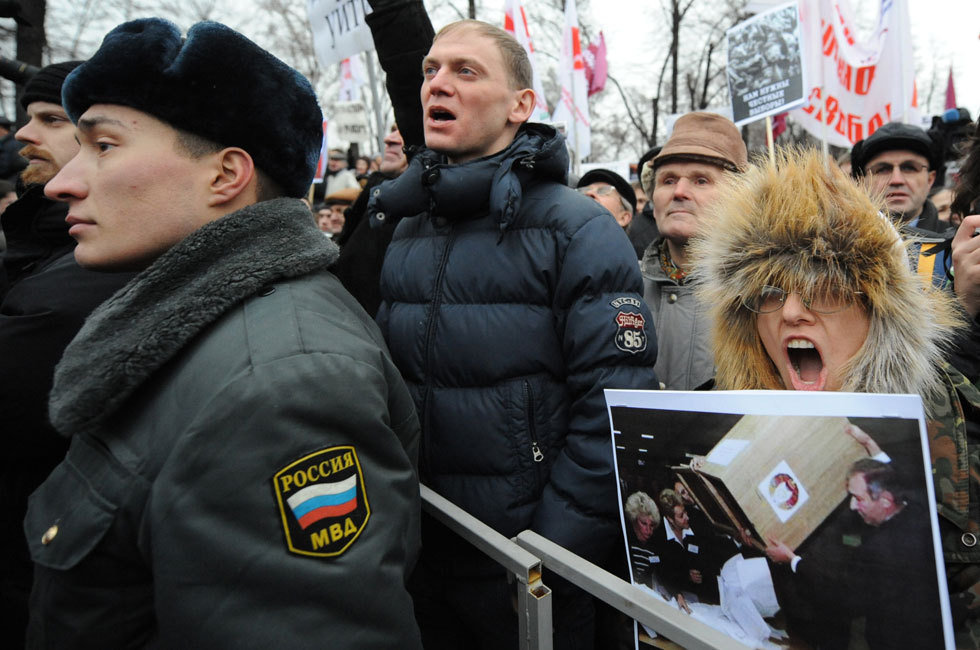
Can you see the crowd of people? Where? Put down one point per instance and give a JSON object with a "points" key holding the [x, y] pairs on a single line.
{"points": [[220, 399]]}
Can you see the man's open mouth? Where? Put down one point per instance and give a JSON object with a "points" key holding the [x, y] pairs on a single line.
{"points": [[807, 369], [438, 114]]}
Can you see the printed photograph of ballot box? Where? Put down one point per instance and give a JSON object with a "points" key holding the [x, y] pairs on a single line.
{"points": [[775, 476], [696, 470]]}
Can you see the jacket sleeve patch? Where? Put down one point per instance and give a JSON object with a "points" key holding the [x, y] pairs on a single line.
{"points": [[631, 334], [322, 502]]}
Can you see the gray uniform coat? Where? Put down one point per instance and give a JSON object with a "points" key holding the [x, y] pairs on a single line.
{"points": [[200, 399]]}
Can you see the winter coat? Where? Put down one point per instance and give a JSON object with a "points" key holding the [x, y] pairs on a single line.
{"points": [[41, 310], [229, 377], [684, 356], [510, 302]]}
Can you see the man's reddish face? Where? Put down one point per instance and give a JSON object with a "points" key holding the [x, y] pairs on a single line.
{"points": [[873, 511], [470, 109], [904, 178], [131, 192], [394, 161], [680, 518], [682, 193], [50, 139]]}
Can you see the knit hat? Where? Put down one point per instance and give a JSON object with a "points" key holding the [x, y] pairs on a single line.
{"points": [[215, 84], [704, 137], [45, 85], [805, 226], [890, 137], [611, 178]]}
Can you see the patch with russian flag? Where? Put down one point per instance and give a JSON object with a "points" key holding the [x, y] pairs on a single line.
{"points": [[322, 502]]}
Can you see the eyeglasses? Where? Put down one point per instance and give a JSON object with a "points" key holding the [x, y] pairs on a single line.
{"points": [[907, 168], [601, 190], [769, 299]]}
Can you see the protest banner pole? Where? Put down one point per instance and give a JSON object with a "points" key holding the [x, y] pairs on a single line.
{"points": [[769, 140], [378, 118]]}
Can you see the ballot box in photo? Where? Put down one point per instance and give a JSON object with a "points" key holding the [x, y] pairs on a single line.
{"points": [[775, 476], [777, 516]]}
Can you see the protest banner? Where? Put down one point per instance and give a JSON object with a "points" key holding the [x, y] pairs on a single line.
{"points": [[765, 64], [339, 30], [856, 86], [350, 120], [784, 518]]}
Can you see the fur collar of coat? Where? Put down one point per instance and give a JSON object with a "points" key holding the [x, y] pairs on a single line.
{"points": [[148, 321], [798, 225]]}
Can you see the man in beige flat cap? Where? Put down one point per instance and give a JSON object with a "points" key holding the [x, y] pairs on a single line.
{"points": [[682, 181]]}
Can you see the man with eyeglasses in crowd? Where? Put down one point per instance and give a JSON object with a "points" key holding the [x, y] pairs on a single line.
{"points": [[611, 191], [901, 161]]}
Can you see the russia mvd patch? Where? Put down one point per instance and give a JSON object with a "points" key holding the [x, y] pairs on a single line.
{"points": [[631, 335], [322, 502]]}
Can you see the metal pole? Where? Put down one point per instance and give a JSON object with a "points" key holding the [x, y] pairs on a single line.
{"points": [[378, 119]]}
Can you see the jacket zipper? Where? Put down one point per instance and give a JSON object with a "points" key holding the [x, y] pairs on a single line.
{"points": [[429, 335], [536, 454]]}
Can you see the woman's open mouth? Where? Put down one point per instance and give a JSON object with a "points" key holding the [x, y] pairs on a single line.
{"points": [[806, 366]]}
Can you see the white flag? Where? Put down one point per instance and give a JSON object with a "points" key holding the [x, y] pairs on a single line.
{"points": [[515, 22], [856, 87], [573, 107], [351, 79]]}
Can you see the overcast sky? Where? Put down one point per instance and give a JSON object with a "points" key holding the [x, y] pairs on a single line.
{"points": [[945, 33]]}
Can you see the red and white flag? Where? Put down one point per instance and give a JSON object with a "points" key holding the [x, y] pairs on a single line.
{"points": [[596, 67], [573, 107], [321, 165], [515, 22], [351, 79]]}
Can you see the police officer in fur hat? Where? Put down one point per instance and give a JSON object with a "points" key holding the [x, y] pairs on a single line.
{"points": [[242, 461]]}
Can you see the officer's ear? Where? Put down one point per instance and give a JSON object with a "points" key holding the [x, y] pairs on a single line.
{"points": [[232, 175]]}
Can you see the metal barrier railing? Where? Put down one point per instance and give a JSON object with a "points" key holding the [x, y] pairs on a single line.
{"points": [[533, 597], [523, 557]]}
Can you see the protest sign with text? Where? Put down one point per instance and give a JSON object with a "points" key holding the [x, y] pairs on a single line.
{"points": [[765, 64], [339, 30]]}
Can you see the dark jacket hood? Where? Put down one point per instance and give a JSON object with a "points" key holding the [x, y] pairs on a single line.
{"points": [[491, 184]]}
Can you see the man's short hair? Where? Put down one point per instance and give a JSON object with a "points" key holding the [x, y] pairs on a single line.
{"points": [[668, 500], [196, 147], [879, 477], [515, 58], [640, 504]]}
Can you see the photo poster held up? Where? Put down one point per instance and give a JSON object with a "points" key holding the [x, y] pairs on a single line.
{"points": [[765, 67], [784, 518]]}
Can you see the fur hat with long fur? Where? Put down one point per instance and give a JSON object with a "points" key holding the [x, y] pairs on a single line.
{"points": [[802, 225]]}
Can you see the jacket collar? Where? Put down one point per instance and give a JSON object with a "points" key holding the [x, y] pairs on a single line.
{"points": [[148, 321], [492, 185]]}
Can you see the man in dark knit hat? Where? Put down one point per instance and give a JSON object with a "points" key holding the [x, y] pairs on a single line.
{"points": [[44, 298], [682, 181], [242, 462]]}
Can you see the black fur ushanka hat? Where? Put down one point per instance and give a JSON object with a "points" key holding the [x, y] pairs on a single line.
{"points": [[216, 84]]}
